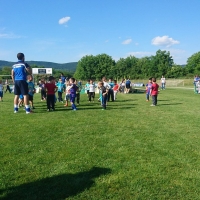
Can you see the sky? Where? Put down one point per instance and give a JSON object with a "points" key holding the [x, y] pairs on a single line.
{"points": [[64, 31]]}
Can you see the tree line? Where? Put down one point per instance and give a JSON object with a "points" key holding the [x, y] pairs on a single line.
{"points": [[94, 67]]}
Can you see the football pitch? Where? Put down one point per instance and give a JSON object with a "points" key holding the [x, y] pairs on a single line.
{"points": [[128, 151]]}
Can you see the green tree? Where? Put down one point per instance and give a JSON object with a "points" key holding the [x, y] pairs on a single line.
{"points": [[94, 67], [161, 63], [193, 64]]}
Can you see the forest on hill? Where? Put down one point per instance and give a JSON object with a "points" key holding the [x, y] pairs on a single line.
{"points": [[70, 67]]}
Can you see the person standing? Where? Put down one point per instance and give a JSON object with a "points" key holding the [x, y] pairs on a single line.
{"points": [[63, 78], [110, 91], [19, 73], [148, 88], [163, 82], [154, 92], [115, 89], [104, 93], [1, 91], [7, 86], [73, 90], [128, 85], [42, 90], [61, 87], [31, 90], [91, 91], [51, 90]]}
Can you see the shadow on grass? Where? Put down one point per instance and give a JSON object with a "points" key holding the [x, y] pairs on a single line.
{"points": [[169, 104], [56, 187]]}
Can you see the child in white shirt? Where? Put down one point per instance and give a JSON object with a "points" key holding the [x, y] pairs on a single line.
{"points": [[91, 91], [67, 92]]}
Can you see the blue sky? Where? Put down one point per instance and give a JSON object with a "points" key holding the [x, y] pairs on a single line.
{"points": [[64, 31]]}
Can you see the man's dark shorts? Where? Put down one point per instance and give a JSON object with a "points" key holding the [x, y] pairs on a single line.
{"points": [[21, 87], [128, 86]]}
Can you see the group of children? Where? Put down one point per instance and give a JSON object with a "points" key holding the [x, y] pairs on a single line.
{"points": [[72, 90], [51, 88]]}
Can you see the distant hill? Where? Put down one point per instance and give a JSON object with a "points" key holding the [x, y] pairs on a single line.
{"points": [[65, 66]]}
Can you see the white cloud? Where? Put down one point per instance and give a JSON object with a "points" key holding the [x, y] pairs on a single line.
{"points": [[164, 41], [64, 20], [128, 41], [9, 36]]}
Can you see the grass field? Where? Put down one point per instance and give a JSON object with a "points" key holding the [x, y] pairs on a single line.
{"points": [[129, 151]]}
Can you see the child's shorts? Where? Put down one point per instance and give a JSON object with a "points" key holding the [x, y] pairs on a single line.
{"points": [[1, 94], [30, 97], [67, 97]]}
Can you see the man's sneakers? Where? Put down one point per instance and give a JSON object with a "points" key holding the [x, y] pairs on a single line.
{"points": [[29, 112]]}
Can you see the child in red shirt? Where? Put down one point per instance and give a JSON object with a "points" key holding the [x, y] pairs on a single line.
{"points": [[51, 89], [154, 92], [115, 89]]}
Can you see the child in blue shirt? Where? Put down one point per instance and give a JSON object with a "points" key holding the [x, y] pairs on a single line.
{"points": [[148, 88], [87, 87], [73, 89], [31, 90], [61, 86]]}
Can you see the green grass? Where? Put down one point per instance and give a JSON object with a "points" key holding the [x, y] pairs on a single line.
{"points": [[129, 151]]}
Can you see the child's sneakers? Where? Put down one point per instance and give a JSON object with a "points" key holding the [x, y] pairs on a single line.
{"points": [[15, 110]]}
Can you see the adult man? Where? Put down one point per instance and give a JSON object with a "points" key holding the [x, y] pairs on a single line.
{"points": [[128, 85], [19, 73], [163, 82], [110, 91]]}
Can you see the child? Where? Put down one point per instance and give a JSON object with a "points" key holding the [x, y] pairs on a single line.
{"points": [[115, 89], [87, 87], [31, 90], [78, 84], [154, 92], [1, 91], [198, 86], [61, 87], [67, 92], [104, 93], [42, 88], [148, 88], [73, 89], [91, 91], [51, 89], [21, 101], [7, 86]]}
